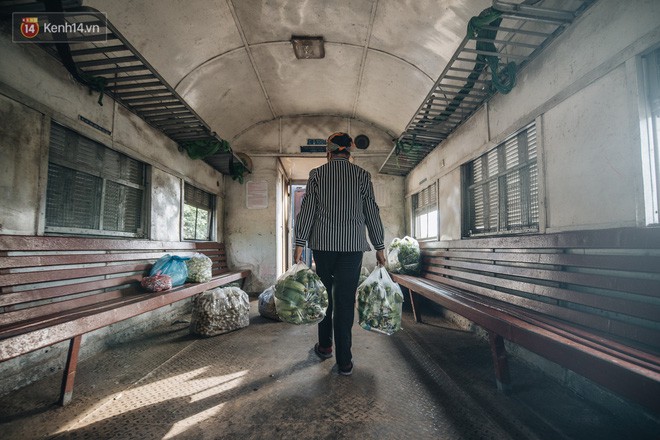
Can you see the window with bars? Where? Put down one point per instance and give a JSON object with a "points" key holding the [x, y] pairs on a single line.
{"points": [[425, 213], [501, 187], [198, 207], [651, 135], [91, 189]]}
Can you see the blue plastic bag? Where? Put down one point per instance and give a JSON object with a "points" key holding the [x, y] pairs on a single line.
{"points": [[173, 266]]}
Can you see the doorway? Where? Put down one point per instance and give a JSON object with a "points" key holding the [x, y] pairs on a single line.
{"points": [[291, 182]]}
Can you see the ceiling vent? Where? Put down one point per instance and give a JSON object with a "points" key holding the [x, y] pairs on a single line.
{"points": [[307, 48]]}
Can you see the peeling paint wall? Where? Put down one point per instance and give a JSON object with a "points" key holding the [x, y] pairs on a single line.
{"points": [[20, 158], [251, 233], [165, 206], [583, 93]]}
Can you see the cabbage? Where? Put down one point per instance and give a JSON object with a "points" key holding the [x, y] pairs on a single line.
{"points": [[404, 256]]}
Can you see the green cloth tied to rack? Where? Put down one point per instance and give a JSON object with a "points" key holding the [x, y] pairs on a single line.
{"points": [[502, 80], [200, 149]]}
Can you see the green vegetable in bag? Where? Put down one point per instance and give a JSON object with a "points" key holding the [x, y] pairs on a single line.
{"points": [[300, 296], [379, 303], [404, 256]]}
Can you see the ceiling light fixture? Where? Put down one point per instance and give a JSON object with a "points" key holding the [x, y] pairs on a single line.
{"points": [[308, 47]]}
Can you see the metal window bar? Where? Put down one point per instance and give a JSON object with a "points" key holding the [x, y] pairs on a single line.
{"points": [[91, 188], [502, 187], [463, 86]]}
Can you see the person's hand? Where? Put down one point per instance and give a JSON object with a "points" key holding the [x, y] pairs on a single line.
{"points": [[380, 257], [297, 254]]}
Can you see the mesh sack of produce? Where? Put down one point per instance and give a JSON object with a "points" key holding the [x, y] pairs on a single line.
{"points": [[199, 268], [173, 266], [157, 283], [220, 310], [379, 302], [403, 256], [267, 304], [300, 296]]}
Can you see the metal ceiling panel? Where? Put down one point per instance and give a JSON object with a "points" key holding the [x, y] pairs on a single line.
{"points": [[318, 86], [425, 33], [344, 21], [390, 88], [226, 93]]}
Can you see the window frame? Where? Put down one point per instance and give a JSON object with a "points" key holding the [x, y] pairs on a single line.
{"points": [[527, 167], [425, 210], [650, 135], [211, 210], [143, 186]]}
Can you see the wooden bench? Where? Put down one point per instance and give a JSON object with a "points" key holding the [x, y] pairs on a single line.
{"points": [[587, 300], [54, 289]]}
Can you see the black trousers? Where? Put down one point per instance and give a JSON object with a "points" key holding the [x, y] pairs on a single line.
{"points": [[339, 272]]}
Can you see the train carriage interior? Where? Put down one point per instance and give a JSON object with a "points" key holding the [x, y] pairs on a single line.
{"points": [[516, 143]]}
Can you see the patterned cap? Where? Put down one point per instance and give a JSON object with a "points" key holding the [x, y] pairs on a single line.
{"points": [[339, 142]]}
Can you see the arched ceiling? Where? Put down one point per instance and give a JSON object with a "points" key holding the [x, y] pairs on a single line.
{"points": [[233, 62]]}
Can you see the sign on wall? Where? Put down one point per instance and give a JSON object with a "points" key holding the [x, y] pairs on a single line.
{"points": [[256, 194]]}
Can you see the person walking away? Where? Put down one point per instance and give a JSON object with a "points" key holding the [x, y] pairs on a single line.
{"points": [[336, 212]]}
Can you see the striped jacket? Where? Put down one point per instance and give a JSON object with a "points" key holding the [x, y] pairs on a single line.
{"points": [[338, 208]]}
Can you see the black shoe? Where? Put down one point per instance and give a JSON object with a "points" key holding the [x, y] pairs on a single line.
{"points": [[346, 370], [323, 353]]}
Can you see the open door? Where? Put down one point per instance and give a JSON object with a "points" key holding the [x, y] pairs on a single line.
{"points": [[297, 194], [283, 234]]}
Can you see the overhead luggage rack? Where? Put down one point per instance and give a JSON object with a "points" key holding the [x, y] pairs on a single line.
{"points": [[503, 39], [108, 64]]}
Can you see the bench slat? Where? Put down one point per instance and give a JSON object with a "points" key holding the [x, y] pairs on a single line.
{"points": [[622, 305], [15, 279], [631, 263], [47, 243], [64, 259], [644, 287], [617, 238], [8, 318], [10, 299]]}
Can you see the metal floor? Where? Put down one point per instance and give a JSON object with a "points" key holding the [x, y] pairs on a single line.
{"points": [[429, 381]]}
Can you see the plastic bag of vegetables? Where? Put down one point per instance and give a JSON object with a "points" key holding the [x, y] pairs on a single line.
{"points": [[173, 266], [364, 273], [403, 256], [267, 304], [220, 310], [199, 268], [157, 283], [300, 296], [379, 302]]}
